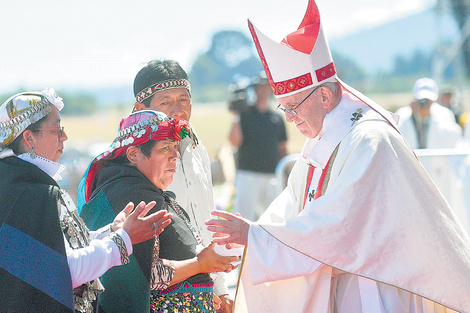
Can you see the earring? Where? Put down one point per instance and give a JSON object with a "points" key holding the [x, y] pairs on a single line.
{"points": [[32, 155]]}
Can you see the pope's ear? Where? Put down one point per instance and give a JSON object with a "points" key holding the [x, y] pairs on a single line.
{"points": [[326, 97], [132, 154]]}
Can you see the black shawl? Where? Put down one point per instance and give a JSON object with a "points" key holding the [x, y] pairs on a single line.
{"points": [[128, 286], [34, 273]]}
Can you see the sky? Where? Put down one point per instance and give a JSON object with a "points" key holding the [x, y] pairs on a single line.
{"points": [[90, 43]]}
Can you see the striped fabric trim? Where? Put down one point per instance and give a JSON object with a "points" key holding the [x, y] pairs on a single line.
{"points": [[48, 273]]}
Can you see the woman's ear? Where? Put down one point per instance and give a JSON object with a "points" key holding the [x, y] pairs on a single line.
{"points": [[28, 139], [132, 154]]}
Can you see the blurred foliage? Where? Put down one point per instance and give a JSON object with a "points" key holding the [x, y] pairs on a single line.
{"points": [[405, 72], [349, 71], [230, 57], [461, 11], [80, 103], [76, 103]]}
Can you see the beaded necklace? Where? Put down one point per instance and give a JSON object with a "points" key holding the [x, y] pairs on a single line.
{"points": [[172, 203]]}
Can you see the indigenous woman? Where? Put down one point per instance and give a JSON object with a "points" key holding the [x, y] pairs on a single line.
{"points": [[171, 272], [49, 260]]}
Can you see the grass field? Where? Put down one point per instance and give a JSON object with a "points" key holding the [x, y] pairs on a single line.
{"points": [[211, 121], [92, 134]]}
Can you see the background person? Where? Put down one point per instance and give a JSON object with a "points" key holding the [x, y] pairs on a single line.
{"points": [[163, 85], [449, 98], [49, 260], [260, 136], [360, 226], [425, 123], [428, 125]]}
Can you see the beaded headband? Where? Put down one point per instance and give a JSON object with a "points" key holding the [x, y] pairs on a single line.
{"points": [[143, 126], [134, 130], [128, 135], [24, 109], [167, 84]]}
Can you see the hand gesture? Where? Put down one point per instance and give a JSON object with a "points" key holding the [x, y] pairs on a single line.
{"points": [[231, 229], [210, 262], [138, 226], [226, 305]]}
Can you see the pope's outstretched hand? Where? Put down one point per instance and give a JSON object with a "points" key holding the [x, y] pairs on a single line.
{"points": [[232, 228]]}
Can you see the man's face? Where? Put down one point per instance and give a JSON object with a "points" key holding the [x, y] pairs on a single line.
{"points": [[174, 102], [310, 114], [264, 91], [421, 107]]}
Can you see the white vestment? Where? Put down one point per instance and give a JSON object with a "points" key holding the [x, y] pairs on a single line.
{"points": [[381, 238]]}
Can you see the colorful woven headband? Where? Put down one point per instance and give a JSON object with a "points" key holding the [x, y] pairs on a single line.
{"points": [[167, 84], [134, 130], [24, 109]]}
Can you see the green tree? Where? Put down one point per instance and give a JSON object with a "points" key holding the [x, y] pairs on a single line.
{"points": [[461, 11], [79, 103], [75, 103], [348, 70], [231, 55]]}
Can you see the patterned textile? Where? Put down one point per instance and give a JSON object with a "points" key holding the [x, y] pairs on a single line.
{"points": [[184, 297], [167, 84], [78, 236], [162, 270], [122, 247]]}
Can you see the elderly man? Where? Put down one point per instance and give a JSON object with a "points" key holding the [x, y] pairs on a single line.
{"points": [[360, 226], [163, 86]]}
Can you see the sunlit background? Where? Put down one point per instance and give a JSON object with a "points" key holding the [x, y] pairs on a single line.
{"points": [[90, 51]]}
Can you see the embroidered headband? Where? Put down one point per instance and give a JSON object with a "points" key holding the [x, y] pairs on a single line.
{"points": [[23, 109], [134, 130], [167, 84]]}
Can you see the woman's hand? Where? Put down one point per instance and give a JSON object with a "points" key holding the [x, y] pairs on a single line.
{"points": [[210, 262], [217, 301], [226, 305], [138, 226]]}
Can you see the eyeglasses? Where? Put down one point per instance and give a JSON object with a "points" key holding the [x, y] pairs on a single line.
{"points": [[59, 129], [292, 111]]}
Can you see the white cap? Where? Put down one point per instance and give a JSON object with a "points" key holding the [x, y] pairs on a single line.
{"points": [[426, 88], [301, 61]]}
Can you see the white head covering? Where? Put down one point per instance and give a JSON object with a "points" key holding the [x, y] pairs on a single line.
{"points": [[301, 61], [426, 88], [24, 109]]}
